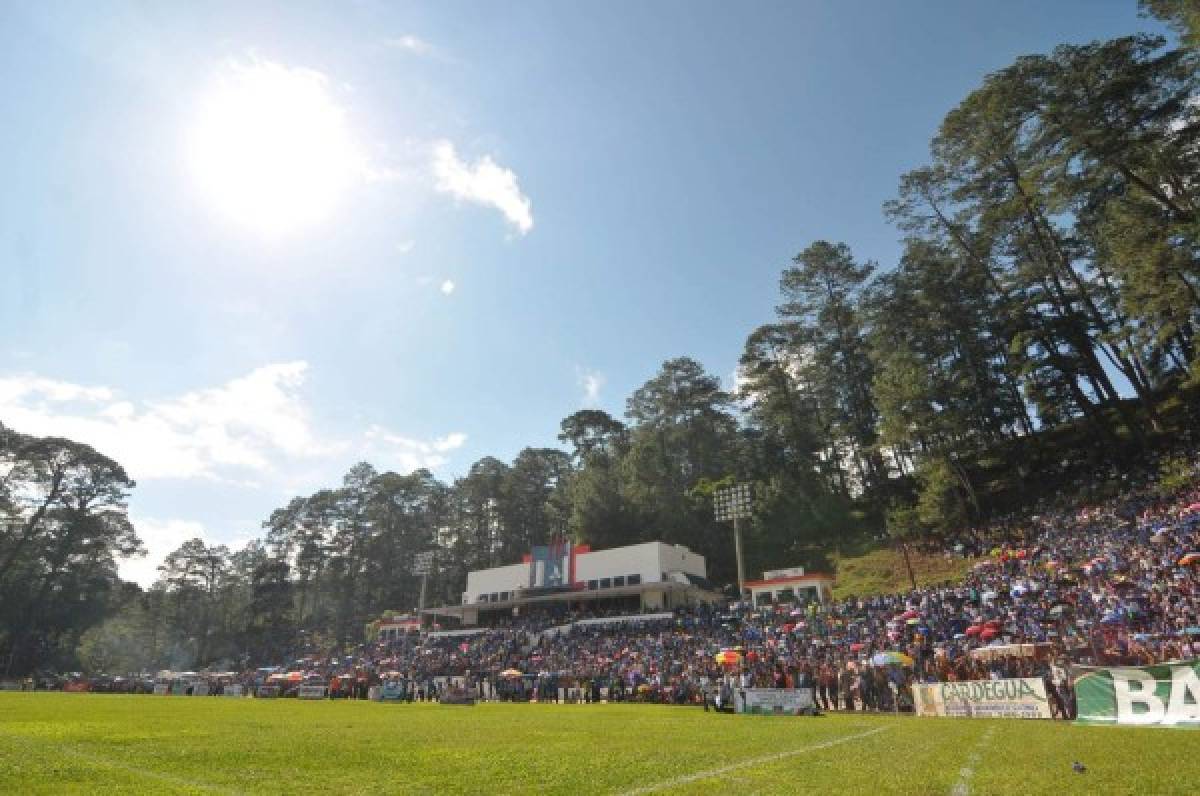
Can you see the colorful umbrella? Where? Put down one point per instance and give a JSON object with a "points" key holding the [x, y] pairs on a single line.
{"points": [[891, 659], [727, 658]]}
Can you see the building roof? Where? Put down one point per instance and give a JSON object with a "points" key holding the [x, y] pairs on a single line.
{"points": [[667, 586], [811, 576]]}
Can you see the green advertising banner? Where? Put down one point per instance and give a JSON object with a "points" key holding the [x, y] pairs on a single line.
{"points": [[1162, 696]]}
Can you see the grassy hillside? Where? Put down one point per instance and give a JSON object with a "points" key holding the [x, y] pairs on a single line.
{"points": [[882, 572]]}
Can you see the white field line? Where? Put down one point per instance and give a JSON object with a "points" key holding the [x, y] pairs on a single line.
{"points": [[755, 761], [71, 750], [963, 786]]}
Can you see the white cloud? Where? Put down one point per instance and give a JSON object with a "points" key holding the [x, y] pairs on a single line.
{"points": [[394, 451], [255, 432], [405, 246], [591, 382], [448, 287], [254, 426], [240, 425], [485, 182], [410, 43], [162, 537], [50, 390]]}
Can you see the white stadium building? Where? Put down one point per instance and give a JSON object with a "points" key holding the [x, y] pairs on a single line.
{"points": [[643, 577]]}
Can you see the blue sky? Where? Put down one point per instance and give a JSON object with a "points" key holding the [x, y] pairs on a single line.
{"points": [[536, 204]]}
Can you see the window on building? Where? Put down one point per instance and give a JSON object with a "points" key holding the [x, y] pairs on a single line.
{"points": [[785, 596], [592, 585], [495, 597], [606, 583], [619, 581], [634, 580]]}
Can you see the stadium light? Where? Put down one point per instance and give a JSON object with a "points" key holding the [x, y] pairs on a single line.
{"points": [[423, 566], [732, 504]]}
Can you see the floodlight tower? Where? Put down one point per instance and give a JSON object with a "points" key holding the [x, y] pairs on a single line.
{"points": [[733, 504], [422, 565]]}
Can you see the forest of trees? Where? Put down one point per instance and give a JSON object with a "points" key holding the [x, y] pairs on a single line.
{"points": [[1048, 292]]}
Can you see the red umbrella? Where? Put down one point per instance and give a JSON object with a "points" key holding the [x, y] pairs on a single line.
{"points": [[974, 630], [910, 615], [993, 624], [989, 633], [856, 647]]}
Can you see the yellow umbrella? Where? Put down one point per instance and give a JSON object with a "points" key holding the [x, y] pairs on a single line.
{"points": [[512, 673], [728, 657]]}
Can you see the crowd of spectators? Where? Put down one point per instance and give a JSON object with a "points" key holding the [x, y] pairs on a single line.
{"points": [[1112, 583], [1115, 582]]}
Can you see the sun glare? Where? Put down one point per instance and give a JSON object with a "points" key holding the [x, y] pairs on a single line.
{"points": [[269, 147]]}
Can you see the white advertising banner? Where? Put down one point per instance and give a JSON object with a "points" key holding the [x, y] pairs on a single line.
{"points": [[773, 701], [310, 692], [233, 691], [1017, 698]]}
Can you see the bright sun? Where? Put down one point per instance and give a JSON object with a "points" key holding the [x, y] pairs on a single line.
{"points": [[269, 147]]}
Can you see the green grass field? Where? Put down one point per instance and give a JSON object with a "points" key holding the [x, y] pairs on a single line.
{"points": [[53, 743]]}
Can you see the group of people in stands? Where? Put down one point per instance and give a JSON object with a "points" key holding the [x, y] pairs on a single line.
{"points": [[1108, 583], [1114, 582]]}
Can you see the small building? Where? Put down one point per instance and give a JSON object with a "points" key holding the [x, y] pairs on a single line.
{"points": [[393, 628], [653, 576], [791, 585]]}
